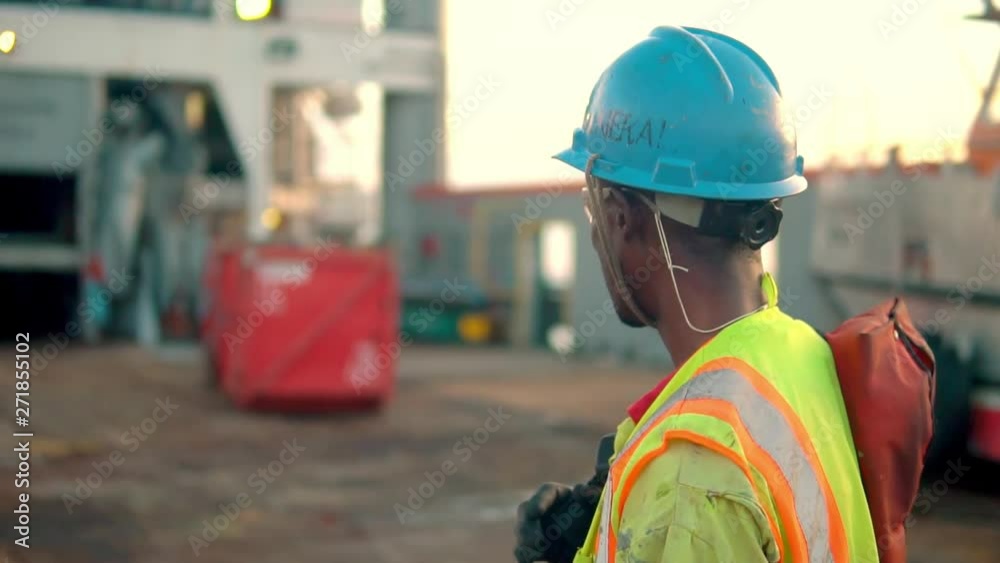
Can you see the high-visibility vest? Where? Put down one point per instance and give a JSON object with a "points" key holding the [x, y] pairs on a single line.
{"points": [[764, 394]]}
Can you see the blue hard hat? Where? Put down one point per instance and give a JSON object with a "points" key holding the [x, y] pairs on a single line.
{"points": [[690, 112]]}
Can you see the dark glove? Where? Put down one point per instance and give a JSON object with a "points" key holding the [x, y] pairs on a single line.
{"points": [[554, 522]]}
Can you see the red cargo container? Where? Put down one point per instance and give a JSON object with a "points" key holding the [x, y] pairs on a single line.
{"points": [[985, 438], [303, 329]]}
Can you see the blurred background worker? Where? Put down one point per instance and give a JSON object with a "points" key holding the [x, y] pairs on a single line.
{"points": [[745, 452]]}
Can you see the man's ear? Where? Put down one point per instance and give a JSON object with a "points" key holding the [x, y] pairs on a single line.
{"points": [[630, 216]]}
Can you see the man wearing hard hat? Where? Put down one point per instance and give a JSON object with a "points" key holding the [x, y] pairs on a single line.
{"points": [[744, 453]]}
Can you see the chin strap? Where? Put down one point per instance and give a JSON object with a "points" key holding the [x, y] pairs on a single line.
{"points": [[613, 265], [673, 279]]}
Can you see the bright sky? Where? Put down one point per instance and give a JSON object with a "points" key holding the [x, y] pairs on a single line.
{"points": [[914, 80]]}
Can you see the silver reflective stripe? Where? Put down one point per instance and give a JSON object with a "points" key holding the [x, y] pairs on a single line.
{"points": [[769, 429]]}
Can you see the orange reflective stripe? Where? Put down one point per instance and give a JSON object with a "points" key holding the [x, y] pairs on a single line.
{"points": [[626, 486], [781, 491], [716, 447], [772, 474], [774, 441], [838, 535]]}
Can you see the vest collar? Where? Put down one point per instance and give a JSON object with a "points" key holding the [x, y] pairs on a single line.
{"points": [[637, 409]]}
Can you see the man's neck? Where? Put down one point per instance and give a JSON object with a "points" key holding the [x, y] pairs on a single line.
{"points": [[710, 301]]}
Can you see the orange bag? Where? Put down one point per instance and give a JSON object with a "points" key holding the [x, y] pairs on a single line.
{"points": [[886, 373]]}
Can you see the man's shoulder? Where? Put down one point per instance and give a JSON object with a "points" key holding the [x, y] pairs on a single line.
{"points": [[687, 467], [692, 488]]}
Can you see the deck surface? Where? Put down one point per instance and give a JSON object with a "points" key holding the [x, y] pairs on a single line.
{"points": [[336, 499]]}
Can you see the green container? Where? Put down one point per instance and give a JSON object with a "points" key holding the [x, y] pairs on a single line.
{"points": [[423, 324]]}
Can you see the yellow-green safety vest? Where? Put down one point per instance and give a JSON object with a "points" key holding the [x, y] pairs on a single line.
{"points": [[764, 394]]}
